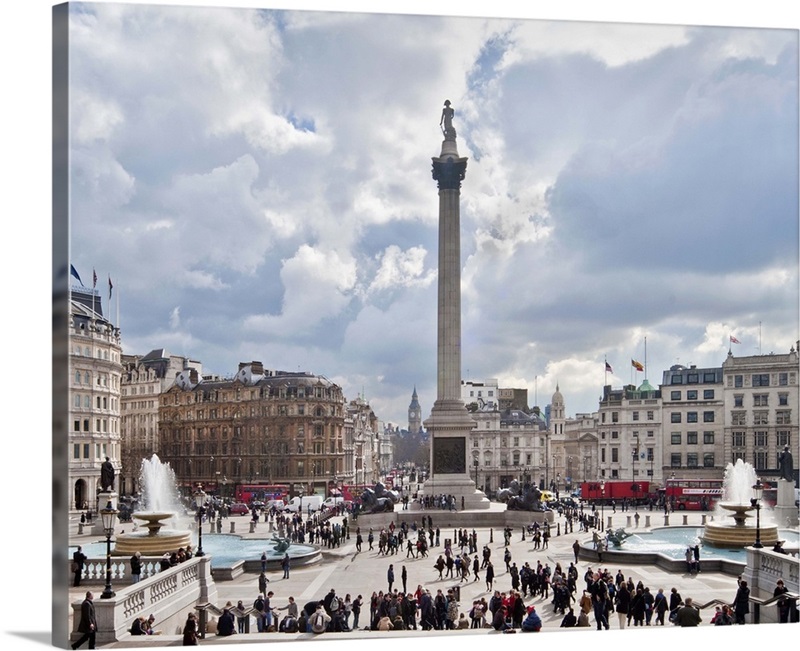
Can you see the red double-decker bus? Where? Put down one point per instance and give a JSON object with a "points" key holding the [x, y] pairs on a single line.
{"points": [[615, 489], [692, 494], [262, 492]]}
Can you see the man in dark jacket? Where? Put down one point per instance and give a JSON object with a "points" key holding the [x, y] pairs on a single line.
{"points": [[227, 623], [88, 623], [688, 615], [78, 559]]}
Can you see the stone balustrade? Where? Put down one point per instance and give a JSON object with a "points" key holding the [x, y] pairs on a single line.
{"points": [[169, 595]]}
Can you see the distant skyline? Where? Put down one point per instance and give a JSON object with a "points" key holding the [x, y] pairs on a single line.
{"points": [[257, 185]]}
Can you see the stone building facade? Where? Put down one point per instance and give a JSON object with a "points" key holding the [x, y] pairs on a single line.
{"points": [[144, 379], [95, 370], [261, 426]]}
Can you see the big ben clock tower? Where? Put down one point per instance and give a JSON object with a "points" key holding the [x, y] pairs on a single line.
{"points": [[414, 414]]}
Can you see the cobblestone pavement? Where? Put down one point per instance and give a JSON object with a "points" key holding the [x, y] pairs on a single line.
{"points": [[348, 571]]}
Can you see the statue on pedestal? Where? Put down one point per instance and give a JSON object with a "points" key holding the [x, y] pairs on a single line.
{"points": [[447, 120], [107, 476], [786, 464]]}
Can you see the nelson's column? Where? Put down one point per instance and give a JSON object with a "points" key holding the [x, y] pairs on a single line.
{"points": [[450, 424]]}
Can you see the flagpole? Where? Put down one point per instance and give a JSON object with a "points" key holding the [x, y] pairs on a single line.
{"points": [[645, 358]]}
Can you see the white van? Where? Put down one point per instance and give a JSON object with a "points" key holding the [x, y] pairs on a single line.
{"points": [[333, 501], [304, 503]]}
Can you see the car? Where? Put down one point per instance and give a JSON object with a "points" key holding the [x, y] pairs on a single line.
{"points": [[239, 508]]}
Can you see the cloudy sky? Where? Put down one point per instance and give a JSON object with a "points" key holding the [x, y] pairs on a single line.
{"points": [[258, 186]]}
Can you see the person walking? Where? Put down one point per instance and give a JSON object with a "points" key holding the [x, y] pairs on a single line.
{"points": [[576, 549], [404, 578], [285, 566], [88, 623], [78, 560], [390, 576], [741, 602], [489, 576]]}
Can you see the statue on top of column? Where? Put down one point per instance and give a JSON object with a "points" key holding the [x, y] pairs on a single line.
{"points": [[446, 122]]}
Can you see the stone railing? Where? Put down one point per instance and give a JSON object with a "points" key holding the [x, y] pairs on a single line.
{"points": [[94, 570], [169, 596], [764, 568]]}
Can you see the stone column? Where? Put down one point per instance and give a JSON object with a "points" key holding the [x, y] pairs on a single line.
{"points": [[450, 424]]}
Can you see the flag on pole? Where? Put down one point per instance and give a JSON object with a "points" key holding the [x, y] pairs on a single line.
{"points": [[74, 272], [734, 340], [110, 288], [94, 278], [608, 368], [637, 365]]}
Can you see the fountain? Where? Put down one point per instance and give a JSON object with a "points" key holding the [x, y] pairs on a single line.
{"points": [[159, 504], [736, 492]]}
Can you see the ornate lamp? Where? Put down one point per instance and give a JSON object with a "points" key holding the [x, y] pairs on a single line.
{"points": [[755, 501], [108, 516], [200, 500]]}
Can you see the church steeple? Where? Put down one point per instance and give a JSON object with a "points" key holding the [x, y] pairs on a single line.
{"points": [[414, 414]]}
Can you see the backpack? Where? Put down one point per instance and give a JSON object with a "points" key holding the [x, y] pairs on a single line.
{"points": [[334, 604], [289, 625], [318, 623]]}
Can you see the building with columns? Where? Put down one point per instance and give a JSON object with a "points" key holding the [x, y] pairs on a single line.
{"points": [[95, 370], [761, 402]]}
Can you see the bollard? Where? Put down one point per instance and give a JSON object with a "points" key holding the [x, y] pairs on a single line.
{"points": [[685, 519], [666, 520], [628, 520], [523, 533], [211, 526], [703, 519], [647, 521], [270, 526], [233, 526], [252, 526], [558, 529], [80, 528], [610, 526], [491, 535]]}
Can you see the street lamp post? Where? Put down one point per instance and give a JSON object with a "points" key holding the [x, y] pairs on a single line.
{"points": [[755, 501], [199, 500], [603, 505], [108, 517], [476, 471]]}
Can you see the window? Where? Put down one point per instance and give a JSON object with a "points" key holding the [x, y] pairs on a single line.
{"points": [[783, 417], [783, 379], [760, 379], [691, 394], [760, 400], [614, 455], [650, 454], [738, 439], [635, 415], [738, 400], [651, 415], [691, 460], [784, 438], [708, 460], [738, 418], [709, 377], [676, 379], [738, 381], [760, 417], [760, 439], [760, 459], [675, 460], [783, 399], [675, 417], [708, 416], [691, 417], [675, 395], [675, 438], [614, 435], [614, 416], [691, 438], [708, 438], [708, 394], [693, 378]]}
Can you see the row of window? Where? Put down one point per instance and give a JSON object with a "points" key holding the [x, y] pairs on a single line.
{"points": [[100, 353], [101, 425], [760, 399], [761, 439], [83, 451], [84, 378], [692, 394], [693, 378], [782, 417], [692, 438], [615, 455], [692, 460], [762, 380], [82, 401], [691, 417], [651, 415]]}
